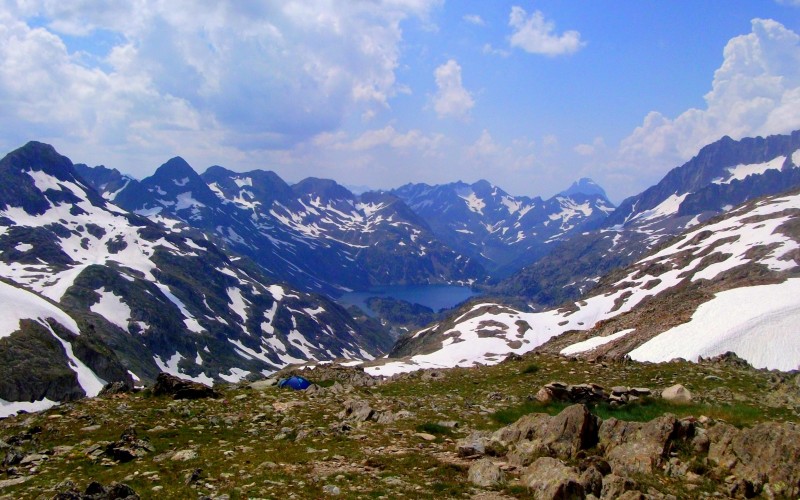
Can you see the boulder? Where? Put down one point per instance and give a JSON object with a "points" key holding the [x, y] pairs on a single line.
{"points": [[615, 486], [178, 388], [562, 436], [474, 444], [677, 394], [637, 447], [485, 473], [549, 479], [357, 410]]}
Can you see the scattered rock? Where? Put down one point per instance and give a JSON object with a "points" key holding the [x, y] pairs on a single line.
{"points": [[332, 490], [425, 436], [118, 387], [128, 447], [184, 455]]}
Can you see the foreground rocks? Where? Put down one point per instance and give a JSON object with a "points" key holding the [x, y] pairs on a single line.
{"points": [[574, 453]]}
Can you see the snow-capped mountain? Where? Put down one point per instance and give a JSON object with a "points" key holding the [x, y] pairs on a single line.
{"points": [[504, 231], [315, 234], [722, 175], [730, 284], [90, 288]]}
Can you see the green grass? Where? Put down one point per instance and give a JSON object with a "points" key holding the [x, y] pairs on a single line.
{"points": [[531, 368], [435, 429]]}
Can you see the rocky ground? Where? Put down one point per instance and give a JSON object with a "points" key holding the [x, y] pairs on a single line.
{"points": [[506, 431]]}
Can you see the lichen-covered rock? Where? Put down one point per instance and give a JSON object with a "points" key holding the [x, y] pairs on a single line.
{"points": [[485, 473], [637, 447], [765, 453], [357, 410], [549, 479]]}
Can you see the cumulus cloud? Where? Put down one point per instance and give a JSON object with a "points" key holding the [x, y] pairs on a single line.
{"points": [[384, 137], [534, 34], [474, 19], [756, 91], [451, 99], [245, 75], [597, 145]]}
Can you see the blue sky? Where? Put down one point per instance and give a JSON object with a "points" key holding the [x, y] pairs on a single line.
{"points": [[529, 95]]}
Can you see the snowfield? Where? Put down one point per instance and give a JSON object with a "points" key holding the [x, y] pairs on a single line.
{"points": [[760, 323]]}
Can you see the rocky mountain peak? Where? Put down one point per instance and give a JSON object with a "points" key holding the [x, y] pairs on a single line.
{"points": [[585, 186]]}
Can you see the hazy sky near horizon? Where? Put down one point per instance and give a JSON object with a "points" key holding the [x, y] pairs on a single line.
{"points": [[529, 95]]}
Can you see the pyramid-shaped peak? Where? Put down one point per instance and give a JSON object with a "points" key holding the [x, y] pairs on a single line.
{"points": [[585, 186]]}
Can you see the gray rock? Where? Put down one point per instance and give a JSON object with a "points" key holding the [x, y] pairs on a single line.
{"points": [[474, 444], [549, 479], [184, 455], [357, 410], [485, 473], [614, 486], [332, 490], [766, 453], [636, 447]]}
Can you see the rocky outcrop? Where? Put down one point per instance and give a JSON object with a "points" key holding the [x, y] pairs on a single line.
{"points": [[551, 454], [170, 385], [590, 393], [758, 467]]}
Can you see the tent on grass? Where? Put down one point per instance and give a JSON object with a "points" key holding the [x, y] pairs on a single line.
{"points": [[295, 382]]}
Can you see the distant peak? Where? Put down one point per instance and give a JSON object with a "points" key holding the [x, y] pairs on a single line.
{"points": [[176, 166], [585, 186]]}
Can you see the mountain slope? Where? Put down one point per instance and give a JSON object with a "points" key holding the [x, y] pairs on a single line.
{"points": [[678, 301], [504, 231], [315, 234], [722, 175], [144, 296]]}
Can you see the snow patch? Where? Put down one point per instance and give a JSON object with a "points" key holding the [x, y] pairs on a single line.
{"points": [[111, 307]]}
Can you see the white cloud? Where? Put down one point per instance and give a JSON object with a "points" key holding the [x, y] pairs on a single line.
{"points": [[537, 35], [451, 98], [597, 145], [385, 137], [474, 19], [236, 75], [756, 91]]}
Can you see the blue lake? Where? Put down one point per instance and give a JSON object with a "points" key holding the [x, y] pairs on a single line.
{"points": [[436, 297]]}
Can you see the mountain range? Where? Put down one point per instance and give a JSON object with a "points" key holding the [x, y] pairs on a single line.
{"points": [[222, 275]]}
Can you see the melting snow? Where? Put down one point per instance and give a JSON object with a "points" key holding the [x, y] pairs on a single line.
{"points": [[171, 367], [589, 344], [23, 247], [758, 323], [17, 304], [8, 408], [740, 172], [111, 307]]}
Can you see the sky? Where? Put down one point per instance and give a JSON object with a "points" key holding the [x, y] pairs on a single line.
{"points": [[529, 95]]}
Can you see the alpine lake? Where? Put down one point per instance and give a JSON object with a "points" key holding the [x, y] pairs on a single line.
{"points": [[437, 297]]}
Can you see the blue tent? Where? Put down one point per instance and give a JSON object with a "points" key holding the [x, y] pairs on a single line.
{"points": [[295, 382]]}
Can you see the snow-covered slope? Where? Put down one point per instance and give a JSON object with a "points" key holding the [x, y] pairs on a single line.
{"points": [[140, 294], [726, 285]]}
